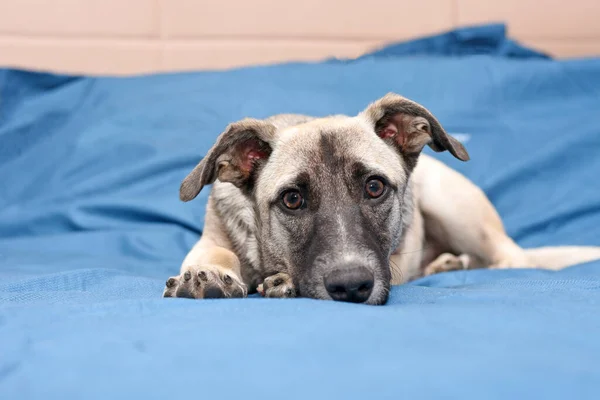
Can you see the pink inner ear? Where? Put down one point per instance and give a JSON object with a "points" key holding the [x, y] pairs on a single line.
{"points": [[388, 131], [251, 151], [256, 154]]}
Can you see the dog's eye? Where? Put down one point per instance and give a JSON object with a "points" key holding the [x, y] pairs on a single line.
{"points": [[292, 199], [374, 188]]}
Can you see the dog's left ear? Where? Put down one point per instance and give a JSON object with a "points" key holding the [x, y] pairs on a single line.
{"points": [[235, 158], [410, 126]]}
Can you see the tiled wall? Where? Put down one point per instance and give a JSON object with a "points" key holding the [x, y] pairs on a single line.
{"points": [[140, 36]]}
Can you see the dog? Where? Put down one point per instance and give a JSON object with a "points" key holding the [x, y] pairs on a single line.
{"points": [[341, 208]]}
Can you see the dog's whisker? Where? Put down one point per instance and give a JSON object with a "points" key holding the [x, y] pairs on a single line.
{"points": [[413, 251], [398, 269]]}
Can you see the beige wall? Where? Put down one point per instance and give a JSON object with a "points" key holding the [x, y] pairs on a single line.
{"points": [[140, 36]]}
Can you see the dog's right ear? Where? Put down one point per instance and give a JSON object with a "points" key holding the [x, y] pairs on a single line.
{"points": [[235, 157]]}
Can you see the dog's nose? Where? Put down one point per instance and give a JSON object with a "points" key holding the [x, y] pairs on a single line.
{"points": [[353, 285]]}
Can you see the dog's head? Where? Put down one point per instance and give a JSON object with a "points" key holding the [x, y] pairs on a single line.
{"points": [[329, 193]]}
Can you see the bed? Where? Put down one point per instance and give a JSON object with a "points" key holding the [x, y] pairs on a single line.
{"points": [[91, 227]]}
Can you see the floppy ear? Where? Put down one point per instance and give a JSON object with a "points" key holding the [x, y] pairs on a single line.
{"points": [[235, 157], [410, 126]]}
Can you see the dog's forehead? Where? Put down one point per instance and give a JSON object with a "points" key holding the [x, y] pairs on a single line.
{"points": [[307, 143], [304, 148], [336, 123]]}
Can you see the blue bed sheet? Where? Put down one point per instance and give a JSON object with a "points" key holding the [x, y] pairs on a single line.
{"points": [[91, 226]]}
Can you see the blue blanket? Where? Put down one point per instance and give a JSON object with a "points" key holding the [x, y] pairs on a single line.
{"points": [[91, 227]]}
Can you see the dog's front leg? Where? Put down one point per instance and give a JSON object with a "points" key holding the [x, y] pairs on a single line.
{"points": [[211, 269]]}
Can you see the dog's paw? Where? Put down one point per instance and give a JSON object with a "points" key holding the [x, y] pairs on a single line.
{"points": [[447, 262], [277, 286], [205, 282]]}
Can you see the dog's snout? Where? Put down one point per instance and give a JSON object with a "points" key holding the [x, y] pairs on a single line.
{"points": [[353, 285]]}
